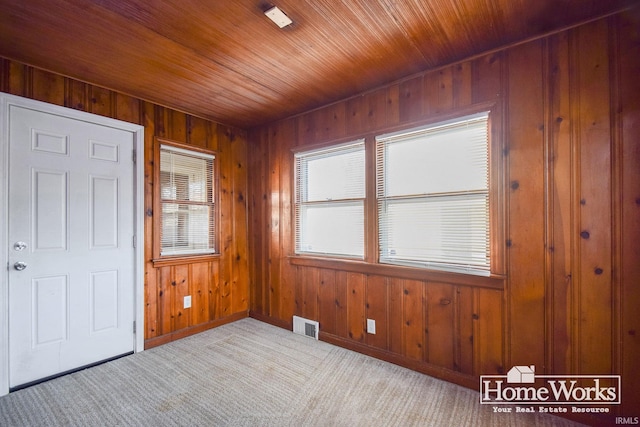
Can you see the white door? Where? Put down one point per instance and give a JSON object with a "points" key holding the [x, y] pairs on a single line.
{"points": [[71, 226]]}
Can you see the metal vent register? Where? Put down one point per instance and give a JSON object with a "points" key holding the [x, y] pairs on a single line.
{"points": [[305, 327]]}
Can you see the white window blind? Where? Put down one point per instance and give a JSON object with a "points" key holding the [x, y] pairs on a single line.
{"points": [[187, 199], [433, 196], [329, 201]]}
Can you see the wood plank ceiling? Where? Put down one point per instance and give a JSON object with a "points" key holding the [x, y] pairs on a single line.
{"points": [[224, 60]]}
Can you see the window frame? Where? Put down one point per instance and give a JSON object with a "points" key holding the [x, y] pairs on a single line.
{"points": [[169, 259], [443, 198], [317, 151], [498, 243]]}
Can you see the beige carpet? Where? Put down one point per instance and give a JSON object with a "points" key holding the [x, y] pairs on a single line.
{"points": [[252, 374]]}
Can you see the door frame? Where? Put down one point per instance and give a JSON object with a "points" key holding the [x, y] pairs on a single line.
{"points": [[6, 102]]}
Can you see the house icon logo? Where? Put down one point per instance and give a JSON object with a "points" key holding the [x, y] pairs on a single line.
{"points": [[522, 374]]}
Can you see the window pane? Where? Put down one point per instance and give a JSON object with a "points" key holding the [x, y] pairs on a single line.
{"points": [[185, 228], [186, 192], [433, 196], [184, 177], [449, 230], [444, 161], [330, 191], [336, 229], [338, 176]]}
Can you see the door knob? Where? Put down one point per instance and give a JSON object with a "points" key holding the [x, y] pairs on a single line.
{"points": [[20, 246], [20, 265]]}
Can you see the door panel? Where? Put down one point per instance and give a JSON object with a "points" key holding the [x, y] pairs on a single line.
{"points": [[71, 200], [49, 201], [49, 310], [104, 300], [104, 212]]}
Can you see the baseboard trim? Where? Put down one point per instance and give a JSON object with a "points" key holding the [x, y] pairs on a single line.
{"points": [[271, 320], [464, 380], [460, 379], [182, 333]]}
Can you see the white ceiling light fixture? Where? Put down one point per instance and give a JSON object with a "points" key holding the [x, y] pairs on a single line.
{"points": [[279, 17]]}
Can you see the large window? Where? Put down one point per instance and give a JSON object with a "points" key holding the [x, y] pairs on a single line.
{"points": [[186, 201], [433, 196], [329, 201]]}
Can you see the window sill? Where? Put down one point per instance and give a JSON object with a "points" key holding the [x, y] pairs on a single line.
{"points": [[493, 281], [183, 259]]}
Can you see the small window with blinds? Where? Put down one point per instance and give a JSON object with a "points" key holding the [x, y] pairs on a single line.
{"points": [[187, 202], [329, 201], [433, 196]]}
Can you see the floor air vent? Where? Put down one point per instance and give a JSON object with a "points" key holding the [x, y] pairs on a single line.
{"points": [[305, 327]]}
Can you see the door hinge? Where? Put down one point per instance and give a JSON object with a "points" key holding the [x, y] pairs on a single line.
{"points": [[133, 241], [134, 326], [134, 156]]}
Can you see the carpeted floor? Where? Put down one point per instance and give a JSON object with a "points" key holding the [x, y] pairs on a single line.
{"points": [[249, 373]]}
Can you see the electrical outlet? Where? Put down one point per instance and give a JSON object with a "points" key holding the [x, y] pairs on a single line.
{"points": [[371, 326], [187, 301]]}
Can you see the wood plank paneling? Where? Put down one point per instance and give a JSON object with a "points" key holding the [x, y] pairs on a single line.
{"points": [[356, 115], [166, 295], [18, 80], [595, 251], [225, 220], [308, 299], [273, 194], [153, 307], [567, 109], [628, 116], [176, 125], [260, 294], [342, 312], [392, 103], [101, 101], [566, 231], [526, 195], [225, 61], [333, 122], [462, 92], [489, 316], [127, 108], [560, 187], [411, 99], [180, 285], [199, 287], [439, 91], [396, 315], [356, 307], [376, 310], [77, 96], [166, 286], [327, 301], [413, 328], [46, 87], [285, 132], [239, 213], [214, 293], [487, 77], [464, 331], [440, 326]]}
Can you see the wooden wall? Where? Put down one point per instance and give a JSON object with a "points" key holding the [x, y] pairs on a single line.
{"points": [[569, 125], [220, 286], [568, 109]]}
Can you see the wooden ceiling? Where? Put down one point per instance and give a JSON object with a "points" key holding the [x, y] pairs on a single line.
{"points": [[224, 60]]}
